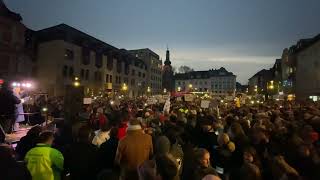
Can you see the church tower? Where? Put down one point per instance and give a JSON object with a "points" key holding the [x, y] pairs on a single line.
{"points": [[167, 74]]}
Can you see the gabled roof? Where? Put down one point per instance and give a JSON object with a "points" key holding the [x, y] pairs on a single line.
{"points": [[263, 72], [71, 34], [4, 11], [303, 44]]}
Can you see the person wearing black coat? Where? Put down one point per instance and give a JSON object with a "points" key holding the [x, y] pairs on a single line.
{"points": [[81, 157], [8, 103], [28, 142], [10, 168], [108, 149]]}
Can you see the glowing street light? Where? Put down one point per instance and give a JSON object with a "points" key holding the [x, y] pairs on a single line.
{"points": [[179, 89], [271, 85], [190, 86], [164, 90], [76, 84], [148, 89], [124, 87]]}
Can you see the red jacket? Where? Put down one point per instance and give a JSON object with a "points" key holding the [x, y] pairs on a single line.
{"points": [[122, 131], [102, 119]]}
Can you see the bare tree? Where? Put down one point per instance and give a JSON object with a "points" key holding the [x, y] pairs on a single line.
{"points": [[184, 69], [174, 69]]}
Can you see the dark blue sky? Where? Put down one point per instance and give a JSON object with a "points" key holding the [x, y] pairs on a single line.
{"points": [[242, 35]]}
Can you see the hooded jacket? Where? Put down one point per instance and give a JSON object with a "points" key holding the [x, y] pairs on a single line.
{"points": [[44, 162]]}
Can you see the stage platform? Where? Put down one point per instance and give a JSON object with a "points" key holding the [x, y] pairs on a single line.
{"points": [[16, 136]]}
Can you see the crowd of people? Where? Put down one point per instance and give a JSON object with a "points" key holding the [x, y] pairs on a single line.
{"points": [[132, 140]]}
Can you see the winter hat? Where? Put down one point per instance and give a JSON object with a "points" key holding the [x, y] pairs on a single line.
{"points": [[162, 145], [231, 146], [100, 110], [134, 125], [223, 139]]}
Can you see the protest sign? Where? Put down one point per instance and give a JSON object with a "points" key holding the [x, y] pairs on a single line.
{"points": [[87, 100], [205, 104], [188, 97]]}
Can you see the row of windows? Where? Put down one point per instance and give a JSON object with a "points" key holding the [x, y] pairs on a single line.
{"points": [[222, 86], [155, 86], [84, 74], [156, 78], [155, 71], [205, 82], [68, 71], [85, 60]]}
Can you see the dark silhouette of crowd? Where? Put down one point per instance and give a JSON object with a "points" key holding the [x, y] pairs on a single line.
{"points": [[131, 141]]}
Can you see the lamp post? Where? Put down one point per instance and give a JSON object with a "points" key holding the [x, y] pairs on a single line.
{"points": [[148, 90], [190, 87], [76, 82], [124, 88]]}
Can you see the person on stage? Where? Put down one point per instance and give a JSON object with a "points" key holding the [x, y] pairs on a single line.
{"points": [[8, 102], [18, 92]]}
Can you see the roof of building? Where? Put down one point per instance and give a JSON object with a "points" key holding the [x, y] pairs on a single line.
{"points": [[75, 36], [203, 74], [71, 34], [303, 44], [145, 49], [4, 11], [263, 72]]}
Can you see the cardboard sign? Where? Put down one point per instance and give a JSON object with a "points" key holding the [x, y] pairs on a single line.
{"points": [[87, 100], [205, 104], [151, 101], [166, 96], [188, 97], [166, 107]]}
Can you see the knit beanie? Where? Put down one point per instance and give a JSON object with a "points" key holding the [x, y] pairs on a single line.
{"points": [[134, 125]]}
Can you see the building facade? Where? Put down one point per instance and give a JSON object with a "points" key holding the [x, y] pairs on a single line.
{"points": [[308, 69], [154, 65], [16, 47], [217, 82], [262, 83], [65, 53]]}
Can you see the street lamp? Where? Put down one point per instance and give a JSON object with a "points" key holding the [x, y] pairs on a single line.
{"points": [[124, 87], [190, 86], [148, 89], [164, 90], [76, 82], [271, 85], [179, 89], [255, 88]]}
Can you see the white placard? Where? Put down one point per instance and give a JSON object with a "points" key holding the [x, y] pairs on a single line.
{"points": [[151, 101], [87, 100], [188, 97], [166, 107], [166, 96], [179, 99], [205, 104]]}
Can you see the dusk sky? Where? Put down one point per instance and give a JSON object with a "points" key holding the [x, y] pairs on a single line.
{"points": [[244, 36]]}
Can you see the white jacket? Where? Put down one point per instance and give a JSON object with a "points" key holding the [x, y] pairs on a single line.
{"points": [[100, 137]]}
